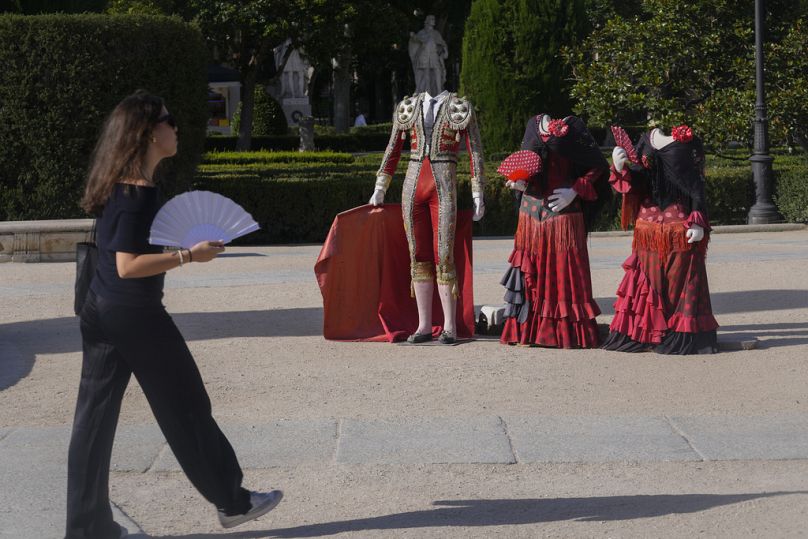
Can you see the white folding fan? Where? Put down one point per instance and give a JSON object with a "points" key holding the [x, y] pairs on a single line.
{"points": [[196, 216]]}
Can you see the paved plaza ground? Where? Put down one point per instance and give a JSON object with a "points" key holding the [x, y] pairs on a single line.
{"points": [[474, 440]]}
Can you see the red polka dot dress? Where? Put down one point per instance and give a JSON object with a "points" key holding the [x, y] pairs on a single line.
{"points": [[663, 300], [548, 285]]}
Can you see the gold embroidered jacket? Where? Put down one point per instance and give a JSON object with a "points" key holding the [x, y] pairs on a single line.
{"points": [[454, 120]]}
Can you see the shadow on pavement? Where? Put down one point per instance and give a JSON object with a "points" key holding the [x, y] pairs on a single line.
{"points": [[21, 342], [477, 513], [740, 301], [772, 335], [14, 365]]}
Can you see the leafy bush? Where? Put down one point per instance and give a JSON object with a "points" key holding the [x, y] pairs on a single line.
{"points": [[62, 74]]}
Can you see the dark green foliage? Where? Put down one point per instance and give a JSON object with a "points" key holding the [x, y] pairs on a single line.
{"points": [[791, 190], [511, 65], [268, 116], [358, 142], [280, 143], [730, 193], [296, 200], [10, 6], [276, 157], [374, 129], [693, 62], [35, 7], [61, 76]]}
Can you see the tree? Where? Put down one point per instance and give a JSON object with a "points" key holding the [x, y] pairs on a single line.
{"points": [[691, 62], [788, 69], [511, 64], [245, 33]]}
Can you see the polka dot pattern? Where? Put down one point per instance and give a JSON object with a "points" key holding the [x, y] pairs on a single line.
{"points": [[520, 165]]}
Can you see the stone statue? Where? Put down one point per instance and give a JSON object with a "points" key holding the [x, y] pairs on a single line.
{"points": [[427, 51]]}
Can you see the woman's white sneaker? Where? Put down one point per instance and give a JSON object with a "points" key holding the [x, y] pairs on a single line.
{"points": [[261, 504]]}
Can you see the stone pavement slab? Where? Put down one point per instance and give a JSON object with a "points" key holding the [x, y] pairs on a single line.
{"points": [[136, 447], [281, 443], [747, 438], [33, 475], [596, 439], [424, 441]]}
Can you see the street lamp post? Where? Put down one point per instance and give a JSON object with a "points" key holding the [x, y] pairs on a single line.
{"points": [[764, 210]]}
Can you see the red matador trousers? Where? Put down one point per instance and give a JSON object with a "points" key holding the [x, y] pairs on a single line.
{"points": [[425, 215]]}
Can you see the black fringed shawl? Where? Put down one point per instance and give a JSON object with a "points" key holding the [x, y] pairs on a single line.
{"points": [[580, 148], [674, 173]]}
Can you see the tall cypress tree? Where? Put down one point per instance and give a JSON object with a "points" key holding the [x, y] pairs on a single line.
{"points": [[512, 68]]}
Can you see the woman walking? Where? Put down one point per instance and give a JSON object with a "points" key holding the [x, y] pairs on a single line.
{"points": [[126, 330]]}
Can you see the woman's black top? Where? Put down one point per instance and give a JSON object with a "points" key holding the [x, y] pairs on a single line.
{"points": [[124, 226]]}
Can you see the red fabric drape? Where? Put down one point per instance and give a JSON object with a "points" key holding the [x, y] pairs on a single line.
{"points": [[364, 275]]}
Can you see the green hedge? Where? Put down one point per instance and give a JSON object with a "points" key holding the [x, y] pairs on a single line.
{"points": [[241, 158], [297, 201], [352, 142], [730, 193], [62, 74], [791, 190]]}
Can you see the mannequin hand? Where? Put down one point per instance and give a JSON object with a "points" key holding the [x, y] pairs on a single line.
{"points": [[517, 185], [479, 208], [378, 198], [619, 158], [694, 233], [205, 251], [561, 198]]}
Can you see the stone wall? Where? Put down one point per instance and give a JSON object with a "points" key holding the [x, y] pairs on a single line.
{"points": [[42, 241]]}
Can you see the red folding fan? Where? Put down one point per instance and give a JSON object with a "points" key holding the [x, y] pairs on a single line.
{"points": [[622, 139], [520, 166]]}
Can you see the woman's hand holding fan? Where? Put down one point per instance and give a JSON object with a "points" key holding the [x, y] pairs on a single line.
{"points": [[622, 140], [205, 251], [519, 167]]}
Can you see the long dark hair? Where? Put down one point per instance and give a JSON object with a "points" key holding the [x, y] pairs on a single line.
{"points": [[121, 147]]}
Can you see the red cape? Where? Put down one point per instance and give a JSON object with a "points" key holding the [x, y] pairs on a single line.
{"points": [[364, 275]]}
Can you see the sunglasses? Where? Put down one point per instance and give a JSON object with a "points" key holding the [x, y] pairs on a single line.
{"points": [[169, 119]]}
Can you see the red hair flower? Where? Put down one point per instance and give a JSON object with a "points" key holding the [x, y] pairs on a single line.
{"points": [[558, 128], [682, 133]]}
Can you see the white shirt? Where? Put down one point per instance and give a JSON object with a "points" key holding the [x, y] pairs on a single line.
{"points": [[441, 97]]}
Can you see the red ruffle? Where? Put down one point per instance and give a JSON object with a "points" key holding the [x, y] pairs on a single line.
{"points": [[692, 324], [639, 309], [558, 286], [620, 181], [550, 332]]}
